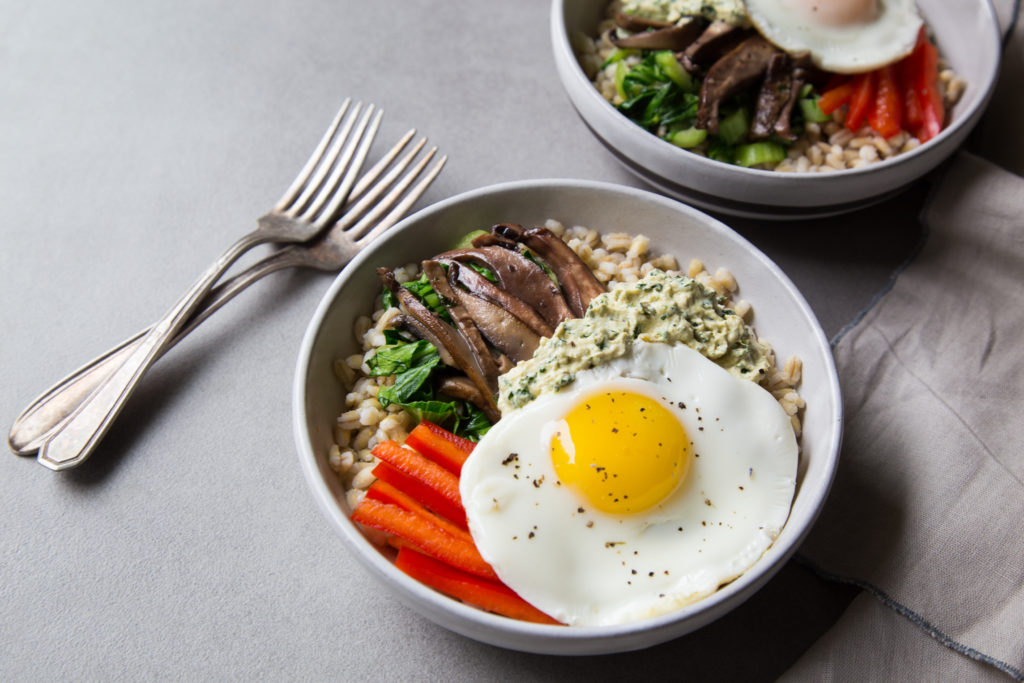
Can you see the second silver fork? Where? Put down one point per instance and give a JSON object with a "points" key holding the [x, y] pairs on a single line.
{"points": [[67, 421]]}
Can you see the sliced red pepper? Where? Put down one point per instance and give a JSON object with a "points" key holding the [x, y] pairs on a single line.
{"points": [[909, 69], [835, 97], [423, 535], [388, 493], [440, 445], [440, 488], [488, 595], [420, 492], [886, 116], [860, 103], [932, 108]]}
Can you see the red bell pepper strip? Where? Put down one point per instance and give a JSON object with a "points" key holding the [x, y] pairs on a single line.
{"points": [[932, 108], [387, 493], [860, 103], [910, 73], [886, 116], [440, 488], [440, 445], [422, 534], [489, 595], [835, 97], [421, 492]]}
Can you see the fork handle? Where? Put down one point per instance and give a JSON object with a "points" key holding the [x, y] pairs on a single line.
{"points": [[74, 440], [51, 409]]}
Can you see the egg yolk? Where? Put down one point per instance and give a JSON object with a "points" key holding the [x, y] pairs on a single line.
{"points": [[622, 451], [837, 13]]}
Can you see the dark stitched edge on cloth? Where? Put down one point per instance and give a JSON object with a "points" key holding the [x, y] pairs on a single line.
{"points": [[914, 617]]}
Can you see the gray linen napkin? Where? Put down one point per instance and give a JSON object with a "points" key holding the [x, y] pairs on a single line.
{"points": [[927, 509]]}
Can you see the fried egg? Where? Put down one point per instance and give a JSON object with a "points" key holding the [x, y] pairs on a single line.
{"points": [[843, 36], [640, 488]]}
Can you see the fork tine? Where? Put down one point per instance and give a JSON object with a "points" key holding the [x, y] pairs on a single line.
{"points": [[353, 212], [370, 177], [300, 180], [335, 192], [402, 207], [384, 204], [324, 166]]}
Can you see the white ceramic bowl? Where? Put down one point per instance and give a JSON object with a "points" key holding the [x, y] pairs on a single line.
{"points": [[967, 33], [781, 316]]}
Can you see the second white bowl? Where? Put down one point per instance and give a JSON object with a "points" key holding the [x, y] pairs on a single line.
{"points": [[967, 33]]}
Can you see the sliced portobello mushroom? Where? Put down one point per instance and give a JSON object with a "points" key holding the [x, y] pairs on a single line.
{"points": [[715, 42], [438, 278], [519, 276], [503, 330], [675, 37], [578, 282], [733, 73], [632, 22], [421, 331], [482, 287], [489, 239], [800, 74], [442, 335], [464, 389], [772, 97]]}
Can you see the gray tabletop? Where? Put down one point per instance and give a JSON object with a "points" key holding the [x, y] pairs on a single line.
{"points": [[137, 141]]}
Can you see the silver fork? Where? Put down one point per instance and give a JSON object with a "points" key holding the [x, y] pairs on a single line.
{"points": [[309, 205], [374, 205]]}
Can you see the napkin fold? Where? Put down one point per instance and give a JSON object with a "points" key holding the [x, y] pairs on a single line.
{"points": [[927, 510]]}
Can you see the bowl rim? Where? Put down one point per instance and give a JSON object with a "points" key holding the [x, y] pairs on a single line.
{"points": [[598, 113], [457, 616]]}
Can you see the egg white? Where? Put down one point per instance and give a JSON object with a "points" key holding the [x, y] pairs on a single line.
{"points": [[586, 567], [852, 48]]}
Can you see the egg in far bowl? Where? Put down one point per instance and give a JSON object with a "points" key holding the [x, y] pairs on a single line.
{"points": [[841, 36]]}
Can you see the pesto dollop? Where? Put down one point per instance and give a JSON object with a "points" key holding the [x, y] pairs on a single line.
{"points": [[731, 11], [662, 307]]}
